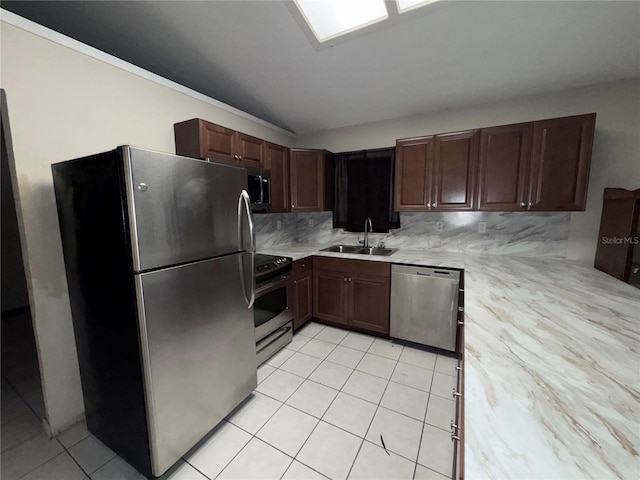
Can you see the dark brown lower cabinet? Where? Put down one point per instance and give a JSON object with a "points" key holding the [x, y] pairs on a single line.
{"points": [[302, 292], [352, 293], [457, 429], [330, 295]]}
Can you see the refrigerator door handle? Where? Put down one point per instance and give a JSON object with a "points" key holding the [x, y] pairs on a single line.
{"points": [[246, 202]]}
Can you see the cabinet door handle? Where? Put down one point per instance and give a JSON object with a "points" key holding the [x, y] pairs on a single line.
{"points": [[453, 426], [455, 394], [454, 437]]}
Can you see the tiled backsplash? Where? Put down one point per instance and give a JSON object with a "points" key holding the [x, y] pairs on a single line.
{"points": [[517, 233]]}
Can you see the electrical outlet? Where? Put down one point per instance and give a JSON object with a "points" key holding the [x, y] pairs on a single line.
{"points": [[439, 226], [279, 225], [482, 227], [311, 222]]}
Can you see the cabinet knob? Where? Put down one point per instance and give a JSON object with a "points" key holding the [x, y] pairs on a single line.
{"points": [[434, 204], [522, 204], [345, 279], [531, 204]]}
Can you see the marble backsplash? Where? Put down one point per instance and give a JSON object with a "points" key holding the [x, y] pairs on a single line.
{"points": [[517, 233]]}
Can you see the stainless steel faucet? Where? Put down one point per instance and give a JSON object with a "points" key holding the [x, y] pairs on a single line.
{"points": [[366, 233]]}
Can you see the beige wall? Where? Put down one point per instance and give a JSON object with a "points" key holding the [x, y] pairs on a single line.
{"points": [[616, 150], [63, 104]]}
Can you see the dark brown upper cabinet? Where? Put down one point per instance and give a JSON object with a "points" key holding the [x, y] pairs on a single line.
{"points": [[455, 165], [503, 167], [201, 139], [276, 159], [560, 161], [436, 173], [414, 172], [250, 150], [537, 166], [311, 180]]}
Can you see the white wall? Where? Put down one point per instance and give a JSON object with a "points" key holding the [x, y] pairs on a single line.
{"points": [[63, 104], [616, 149], [14, 285]]}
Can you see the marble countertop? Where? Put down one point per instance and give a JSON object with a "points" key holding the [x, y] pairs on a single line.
{"points": [[552, 365], [404, 256]]}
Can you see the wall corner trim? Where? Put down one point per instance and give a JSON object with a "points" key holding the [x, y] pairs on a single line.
{"points": [[53, 36]]}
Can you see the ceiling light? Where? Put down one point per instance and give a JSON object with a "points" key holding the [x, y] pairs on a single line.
{"points": [[406, 5], [332, 18]]}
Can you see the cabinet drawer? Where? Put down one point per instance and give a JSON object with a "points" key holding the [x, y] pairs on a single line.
{"points": [[303, 265], [355, 267]]}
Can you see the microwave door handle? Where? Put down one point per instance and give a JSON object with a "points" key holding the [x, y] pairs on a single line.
{"points": [[245, 202], [268, 189]]}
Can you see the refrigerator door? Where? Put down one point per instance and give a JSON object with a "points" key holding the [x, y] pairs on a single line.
{"points": [[198, 349], [180, 209]]}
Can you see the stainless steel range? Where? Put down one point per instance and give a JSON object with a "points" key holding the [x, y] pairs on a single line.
{"points": [[272, 312]]}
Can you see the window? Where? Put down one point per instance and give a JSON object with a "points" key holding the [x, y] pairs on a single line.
{"points": [[326, 21], [331, 18]]}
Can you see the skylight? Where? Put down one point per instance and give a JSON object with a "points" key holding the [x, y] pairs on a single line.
{"points": [[406, 5], [332, 18]]}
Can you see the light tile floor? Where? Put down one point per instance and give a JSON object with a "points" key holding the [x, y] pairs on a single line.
{"points": [[321, 410]]}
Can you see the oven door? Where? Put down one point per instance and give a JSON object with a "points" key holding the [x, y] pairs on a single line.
{"points": [[271, 309]]}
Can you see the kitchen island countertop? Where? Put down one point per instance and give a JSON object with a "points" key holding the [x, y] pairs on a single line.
{"points": [[552, 365]]}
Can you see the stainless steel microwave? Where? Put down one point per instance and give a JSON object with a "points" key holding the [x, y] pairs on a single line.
{"points": [[259, 183]]}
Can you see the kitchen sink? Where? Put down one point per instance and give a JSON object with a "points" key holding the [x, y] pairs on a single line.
{"points": [[359, 250], [342, 249], [377, 251]]}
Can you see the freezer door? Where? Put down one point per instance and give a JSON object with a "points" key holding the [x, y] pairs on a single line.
{"points": [[198, 351], [180, 209]]}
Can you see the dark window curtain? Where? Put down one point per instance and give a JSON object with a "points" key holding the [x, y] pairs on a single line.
{"points": [[364, 188]]}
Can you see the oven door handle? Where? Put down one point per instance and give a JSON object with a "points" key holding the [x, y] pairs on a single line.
{"points": [[275, 336], [282, 281]]}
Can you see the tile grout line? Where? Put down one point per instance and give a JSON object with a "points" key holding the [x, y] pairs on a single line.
{"points": [[415, 467], [328, 407], [376, 411], [64, 449], [254, 435]]}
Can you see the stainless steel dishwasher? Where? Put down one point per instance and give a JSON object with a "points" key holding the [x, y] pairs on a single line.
{"points": [[424, 305]]}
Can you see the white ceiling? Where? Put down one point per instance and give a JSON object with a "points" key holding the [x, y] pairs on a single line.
{"points": [[255, 56]]}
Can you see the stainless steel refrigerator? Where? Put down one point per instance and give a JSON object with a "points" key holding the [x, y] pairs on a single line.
{"points": [[159, 257]]}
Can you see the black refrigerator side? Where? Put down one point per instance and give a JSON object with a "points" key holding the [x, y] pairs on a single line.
{"points": [[91, 203]]}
